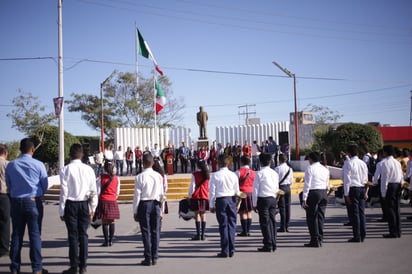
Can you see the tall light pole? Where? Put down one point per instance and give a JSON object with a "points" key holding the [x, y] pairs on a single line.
{"points": [[292, 75], [101, 108], [60, 81]]}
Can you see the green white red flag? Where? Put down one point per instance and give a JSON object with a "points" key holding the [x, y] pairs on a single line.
{"points": [[160, 97], [144, 50]]}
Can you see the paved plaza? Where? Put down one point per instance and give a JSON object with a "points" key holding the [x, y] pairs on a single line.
{"points": [[178, 254]]}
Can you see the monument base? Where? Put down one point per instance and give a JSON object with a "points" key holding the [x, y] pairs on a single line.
{"points": [[202, 143]]}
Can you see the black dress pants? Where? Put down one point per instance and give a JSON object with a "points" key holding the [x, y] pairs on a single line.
{"points": [[4, 223], [315, 214], [393, 198], [267, 211]]}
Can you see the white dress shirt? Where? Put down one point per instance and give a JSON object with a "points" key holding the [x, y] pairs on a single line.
{"points": [[316, 177], [282, 170], [118, 155], [391, 172], [266, 184], [222, 183], [77, 183], [148, 186], [355, 174]]}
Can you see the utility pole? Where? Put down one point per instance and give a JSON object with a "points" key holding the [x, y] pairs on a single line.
{"points": [[246, 112], [410, 115]]}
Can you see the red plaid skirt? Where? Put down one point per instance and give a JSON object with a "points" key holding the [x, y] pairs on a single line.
{"points": [[108, 210], [200, 205], [247, 203]]}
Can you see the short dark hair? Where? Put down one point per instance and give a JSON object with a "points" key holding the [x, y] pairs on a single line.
{"points": [[352, 149], [265, 158], [3, 149], [389, 150], [244, 160], [26, 144], [314, 156], [76, 151], [223, 160], [147, 160], [282, 158]]}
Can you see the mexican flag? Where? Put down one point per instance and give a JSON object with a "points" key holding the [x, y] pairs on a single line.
{"points": [[144, 50], [160, 97]]}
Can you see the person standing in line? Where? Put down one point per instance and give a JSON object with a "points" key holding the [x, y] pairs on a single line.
{"points": [[272, 148], [118, 157], [236, 153], [98, 159], [108, 188], [184, 157], [213, 158], [158, 168], [223, 189], [148, 192], [246, 177], [199, 198], [265, 189], [355, 176], [376, 186], [129, 161], [285, 173], [4, 204], [391, 178], [138, 154], [315, 198], [78, 201], [108, 153], [156, 152], [255, 151], [192, 158], [27, 181]]}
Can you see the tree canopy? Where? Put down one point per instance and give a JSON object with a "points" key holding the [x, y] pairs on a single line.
{"points": [[127, 105]]}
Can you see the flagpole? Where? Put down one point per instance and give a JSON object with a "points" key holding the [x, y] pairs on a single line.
{"points": [[137, 54], [154, 105]]}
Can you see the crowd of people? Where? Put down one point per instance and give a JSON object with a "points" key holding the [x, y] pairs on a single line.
{"points": [[237, 185], [187, 156]]}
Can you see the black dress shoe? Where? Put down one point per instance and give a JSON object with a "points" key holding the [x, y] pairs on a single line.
{"points": [[231, 254], [83, 271], [312, 245], [71, 270], [281, 230], [354, 240], [390, 236], [146, 262], [221, 255], [154, 261], [242, 234], [196, 238], [264, 249], [347, 224]]}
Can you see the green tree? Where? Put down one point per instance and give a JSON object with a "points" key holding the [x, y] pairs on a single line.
{"points": [[353, 133], [48, 151], [127, 105], [29, 115]]}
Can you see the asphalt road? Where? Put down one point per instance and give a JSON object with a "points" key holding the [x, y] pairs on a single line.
{"points": [[178, 254]]}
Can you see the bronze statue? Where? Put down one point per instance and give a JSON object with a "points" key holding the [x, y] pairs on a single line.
{"points": [[202, 121]]}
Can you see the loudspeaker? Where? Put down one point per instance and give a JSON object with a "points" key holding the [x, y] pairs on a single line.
{"points": [[283, 137]]}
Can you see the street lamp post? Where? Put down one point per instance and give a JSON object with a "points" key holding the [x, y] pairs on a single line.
{"points": [[101, 108], [296, 122]]}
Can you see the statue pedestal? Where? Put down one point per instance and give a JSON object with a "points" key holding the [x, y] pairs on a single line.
{"points": [[202, 143]]}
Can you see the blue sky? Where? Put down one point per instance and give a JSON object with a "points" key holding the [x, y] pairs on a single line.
{"points": [[366, 44]]}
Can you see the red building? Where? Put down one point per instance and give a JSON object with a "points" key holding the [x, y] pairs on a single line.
{"points": [[400, 137]]}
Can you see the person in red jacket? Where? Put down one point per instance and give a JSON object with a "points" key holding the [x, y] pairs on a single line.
{"points": [[246, 177], [108, 187], [199, 198]]}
